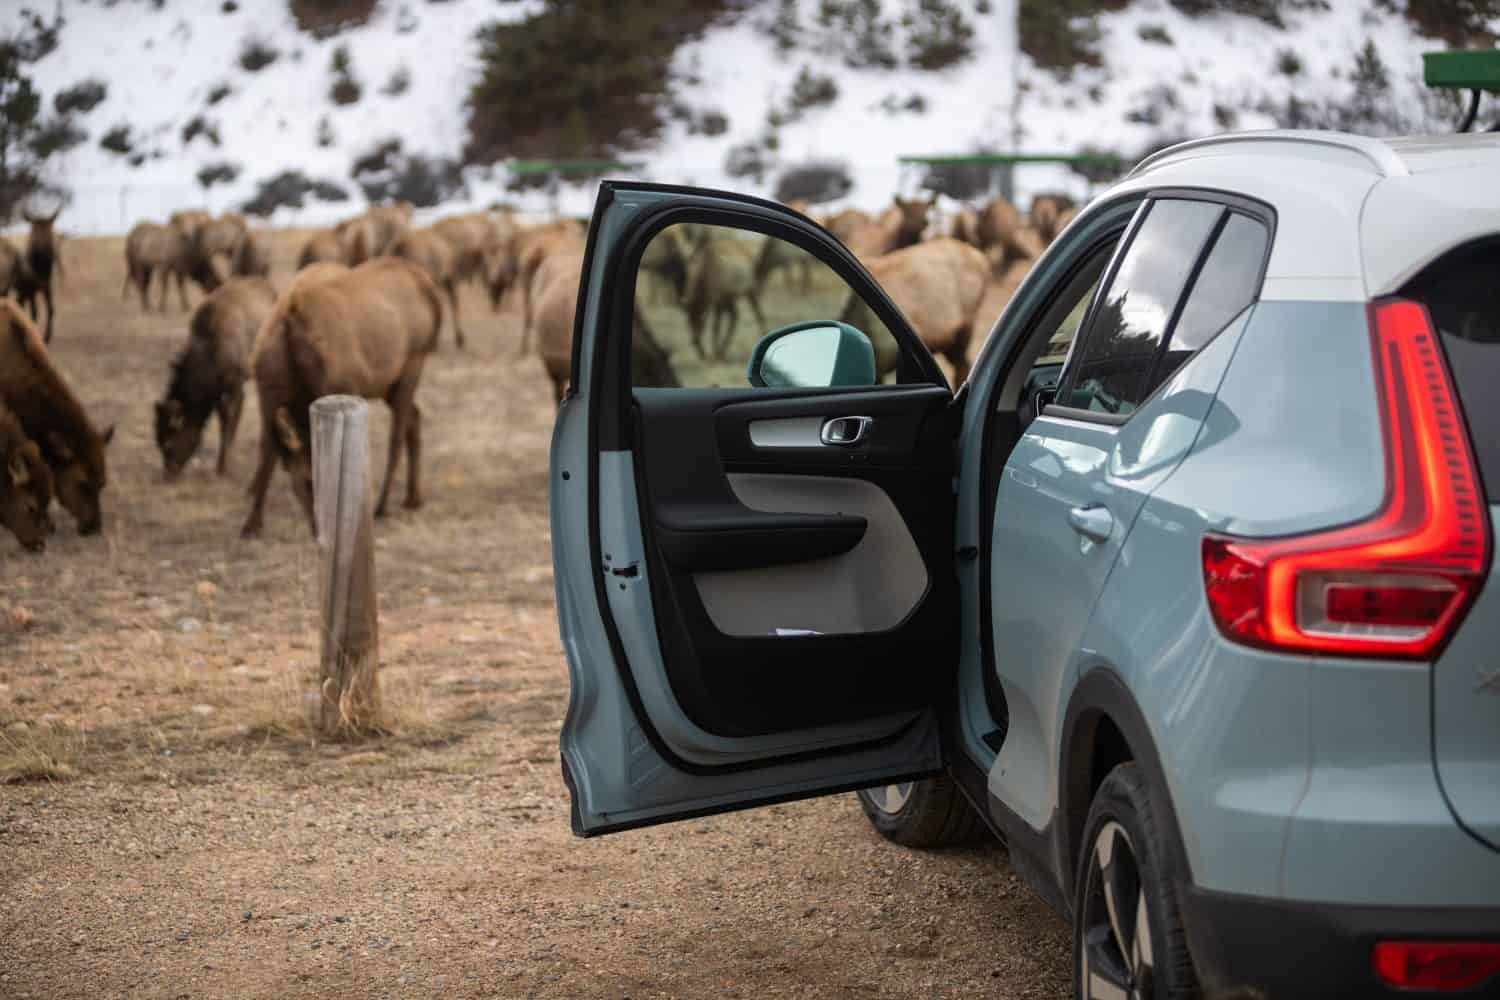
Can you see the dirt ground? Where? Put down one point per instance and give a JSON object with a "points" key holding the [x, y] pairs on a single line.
{"points": [[169, 827]]}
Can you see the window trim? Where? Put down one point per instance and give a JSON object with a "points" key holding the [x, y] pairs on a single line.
{"points": [[1232, 204]]}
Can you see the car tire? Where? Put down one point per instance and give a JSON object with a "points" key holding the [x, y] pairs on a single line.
{"points": [[1125, 872], [927, 813]]}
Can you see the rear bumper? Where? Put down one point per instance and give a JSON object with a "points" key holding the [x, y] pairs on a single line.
{"points": [[1249, 946]]}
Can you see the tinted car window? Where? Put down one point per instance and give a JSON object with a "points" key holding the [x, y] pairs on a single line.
{"points": [[1462, 294], [1227, 283], [1119, 348]]}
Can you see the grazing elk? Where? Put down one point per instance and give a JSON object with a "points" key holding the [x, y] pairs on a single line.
{"points": [[557, 300], [208, 374], [719, 274], [321, 247], [251, 257], [435, 255], [779, 255], [51, 416], [366, 332], [25, 485], [40, 257], [939, 286]]}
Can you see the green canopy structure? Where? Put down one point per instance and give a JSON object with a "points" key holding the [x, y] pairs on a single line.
{"points": [[1474, 70]]}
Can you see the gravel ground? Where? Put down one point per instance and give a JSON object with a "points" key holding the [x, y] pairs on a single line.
{"points": [[169, 826]]}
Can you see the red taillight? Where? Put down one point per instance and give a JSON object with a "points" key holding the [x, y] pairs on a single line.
{"points": [[1398, 583], [1436, 965]]}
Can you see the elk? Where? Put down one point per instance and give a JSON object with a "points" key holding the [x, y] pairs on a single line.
{"points": [[939, 286], [188, 221], [366, 332], [219, 236], [719, 274], [50, 415], [152, 249], [665, 257], [208, 375], [515, 262], [25, 485], [471, 235], [435, 255], [251, 257], [900, 225], [10, 266], [40, 257], [1047, 212], [557, 300], [321, 247]]}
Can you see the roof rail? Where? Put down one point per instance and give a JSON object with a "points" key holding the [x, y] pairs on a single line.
{"points": [[1379, 155]]}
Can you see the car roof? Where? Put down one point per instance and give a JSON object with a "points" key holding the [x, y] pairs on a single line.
{"points": [[1356, 216]]}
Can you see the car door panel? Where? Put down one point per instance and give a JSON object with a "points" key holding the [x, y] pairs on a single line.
{"points": [[727, 664], [688, 524]]}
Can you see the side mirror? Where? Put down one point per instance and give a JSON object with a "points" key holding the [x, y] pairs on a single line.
{"points": [[818, 354]]}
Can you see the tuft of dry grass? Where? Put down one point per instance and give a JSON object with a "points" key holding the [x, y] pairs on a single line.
{"points": [[31, 753]]}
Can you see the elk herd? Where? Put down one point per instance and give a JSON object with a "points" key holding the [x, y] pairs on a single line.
{"points": [[369, 300]]}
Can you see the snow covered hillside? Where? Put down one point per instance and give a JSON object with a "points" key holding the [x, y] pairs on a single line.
{"points": [[180, 100]]}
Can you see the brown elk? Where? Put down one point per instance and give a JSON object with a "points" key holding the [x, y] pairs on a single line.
{"points": [[719, 274], [517, 263], [51, 416], [1047, 214], [251, 257], [40, 257], [321, 247], [208, 375], [220, 236], [470, 235], [435, 255], [188, 221], [900, 225], [557, 300], [10, 266], [151, 250], [665, 257], [25, 485], [365, 332], [939, 286]]}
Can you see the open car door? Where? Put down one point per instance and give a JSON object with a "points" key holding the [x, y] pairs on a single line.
{"points": [[752, 517]]}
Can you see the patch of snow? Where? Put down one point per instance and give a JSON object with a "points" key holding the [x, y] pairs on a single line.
{"points": [[160, 66]]}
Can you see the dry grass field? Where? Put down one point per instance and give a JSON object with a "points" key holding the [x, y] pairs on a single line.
{"points": [[169, 826]]}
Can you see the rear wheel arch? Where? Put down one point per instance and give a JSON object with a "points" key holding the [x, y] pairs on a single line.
{"points": [[1104, 727]]}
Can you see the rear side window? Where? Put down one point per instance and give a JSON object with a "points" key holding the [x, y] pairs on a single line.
{"points": [[1118, 350], [1462, 293], [1228, 282]]}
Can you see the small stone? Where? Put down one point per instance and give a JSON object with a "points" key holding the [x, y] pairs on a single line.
{"points": [[188, 625], [247, 916], [183, 935], [204, 710]]}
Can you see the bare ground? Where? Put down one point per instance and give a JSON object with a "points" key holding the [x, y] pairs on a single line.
{"points": [[170, 827]]}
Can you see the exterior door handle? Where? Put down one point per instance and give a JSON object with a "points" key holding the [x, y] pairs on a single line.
{"points": [[845, 431], [1093, 522]]}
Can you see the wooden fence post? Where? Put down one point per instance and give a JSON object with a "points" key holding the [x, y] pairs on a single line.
{"points": [[348, 682]]}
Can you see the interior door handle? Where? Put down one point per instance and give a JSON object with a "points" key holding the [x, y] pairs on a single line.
{"points": [[845, 430], [1093, 521]]}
